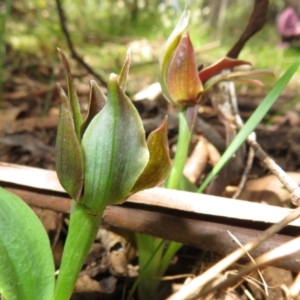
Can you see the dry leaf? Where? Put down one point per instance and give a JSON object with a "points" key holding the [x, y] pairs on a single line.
{"points": [[268, 190], [28, 142], [197, 161], [119, 249], [85, 284], [275, 279]]}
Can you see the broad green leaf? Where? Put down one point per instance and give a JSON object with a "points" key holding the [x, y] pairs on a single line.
{"points": [[159, 163], [72, 96], [223, 64], [97, 100], [252, 122], [26, 262], [169, 49], [115, 150], [124, 72], [68, 153]]}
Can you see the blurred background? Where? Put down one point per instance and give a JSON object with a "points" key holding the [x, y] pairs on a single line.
{"points": [[101, 32], [95, 35]]}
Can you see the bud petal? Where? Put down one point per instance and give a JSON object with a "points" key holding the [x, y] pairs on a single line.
{"points": [[72, 95], [223, 64], [124, 72], [159, 163], [169, 49], [183, 81], [115, 150], [68, 153], [97, 100], [241, 76]]}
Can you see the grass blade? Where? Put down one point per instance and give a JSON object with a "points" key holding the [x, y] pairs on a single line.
{"points": [[252, 122]]}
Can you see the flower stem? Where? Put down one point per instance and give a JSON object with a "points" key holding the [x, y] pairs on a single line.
{"points": [[186, 124], [82, 232], [154, 262]]}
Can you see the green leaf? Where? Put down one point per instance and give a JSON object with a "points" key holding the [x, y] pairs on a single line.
{"points": [[115, 150], [252, 122], [97, 101], [169, 253], [186, 185], [159, 163], [26, 263], [150, 256], [68, 153], [72, 95]]}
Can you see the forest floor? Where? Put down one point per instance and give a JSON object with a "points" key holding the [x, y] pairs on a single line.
{"points": [[28, 122]]}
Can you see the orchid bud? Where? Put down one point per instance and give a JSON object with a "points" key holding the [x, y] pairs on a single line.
{"points": [[180, 80], [109, 159], [183, 82]]}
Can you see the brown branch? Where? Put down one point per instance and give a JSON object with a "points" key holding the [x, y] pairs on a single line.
{"points": [[182, 201], [285, 179], [197, 230], [256, 23], [202, 281], [260, 262], [75, 55]]}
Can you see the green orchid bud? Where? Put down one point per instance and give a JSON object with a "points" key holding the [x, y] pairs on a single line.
{"points": [[108, 158]]}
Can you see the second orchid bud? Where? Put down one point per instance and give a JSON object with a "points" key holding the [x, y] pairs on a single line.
{"points": [[183, 82]]}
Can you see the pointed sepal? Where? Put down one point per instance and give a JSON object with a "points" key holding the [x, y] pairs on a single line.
{"points": [[169, 49], [115, 150], [159, 164], [72, 95], [242, 76], [68, 153], [125, 70], [225, 63], [97, 100]]}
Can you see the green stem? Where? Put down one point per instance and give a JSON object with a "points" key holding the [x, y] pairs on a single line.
{"points": [[150, 254], [82, 232], [154, 265], [171, 250], [186, 125]]}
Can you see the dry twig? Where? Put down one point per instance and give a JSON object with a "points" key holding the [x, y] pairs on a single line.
{"points": [[286, 180], [256, 23], [275, 254], [75, 55], [192, 289]]}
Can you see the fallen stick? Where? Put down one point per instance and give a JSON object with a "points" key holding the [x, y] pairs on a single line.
{"points": [[173, 199], [192, 219]]}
